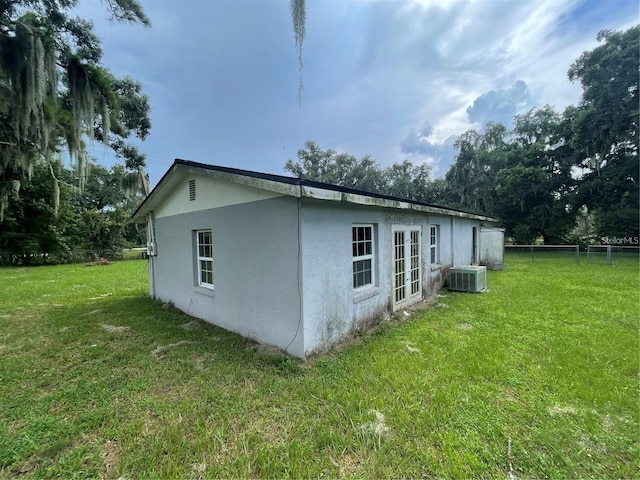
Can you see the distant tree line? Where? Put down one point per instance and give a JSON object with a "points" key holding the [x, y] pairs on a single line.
{"points": [[404, 179], [561, 177], [89, 223], [568, 176]]}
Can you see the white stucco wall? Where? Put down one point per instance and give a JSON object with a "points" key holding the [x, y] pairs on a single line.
{"points": [[283, 265], [332, 309], [255, 265]]}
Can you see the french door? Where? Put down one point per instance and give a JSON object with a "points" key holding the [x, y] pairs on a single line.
{"points": [[407, 273]]}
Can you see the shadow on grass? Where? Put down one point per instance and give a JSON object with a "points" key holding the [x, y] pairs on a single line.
{"points": [[159, 330]]}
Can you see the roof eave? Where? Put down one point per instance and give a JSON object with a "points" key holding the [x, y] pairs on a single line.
{"points": [[318, 193], [289, 186], [182, 168]]}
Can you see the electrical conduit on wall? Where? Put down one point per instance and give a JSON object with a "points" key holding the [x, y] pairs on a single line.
{"points": [[452, 241]]}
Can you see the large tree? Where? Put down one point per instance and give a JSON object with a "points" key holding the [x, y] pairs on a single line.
{"points": [[523, 176], [471, 177], [54, 91], [605, 131], [552, 167], [535, 189], [341, 169]]}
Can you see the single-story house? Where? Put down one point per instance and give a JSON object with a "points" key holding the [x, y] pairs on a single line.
{"points": [[295, 263]]}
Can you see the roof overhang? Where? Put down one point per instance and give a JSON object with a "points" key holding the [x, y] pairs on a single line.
{"points": [[294, 187], [182, 169]]}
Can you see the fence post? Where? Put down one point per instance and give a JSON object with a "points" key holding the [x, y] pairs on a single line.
{"points": [[531, 247], [609, 262], [578, 254]]}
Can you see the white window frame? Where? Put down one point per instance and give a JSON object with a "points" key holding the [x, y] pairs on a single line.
{"points": [[407, 265], [434, 245], [355, 242], [415, 261], [201, 256]]}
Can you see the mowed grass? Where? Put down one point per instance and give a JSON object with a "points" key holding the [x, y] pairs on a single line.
{"points": [[538, 377]]}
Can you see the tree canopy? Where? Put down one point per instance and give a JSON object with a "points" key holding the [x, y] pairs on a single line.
{"points": [[54, 92], [605, 131], [405, 179], [554, 166]]}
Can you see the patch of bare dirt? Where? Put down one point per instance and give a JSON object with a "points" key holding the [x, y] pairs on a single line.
{"points": [[268, 350], [349, 464], [25, 468], [203, 362], [114, 329], [192, 325], [464, 326], [199, 468], [561, 410], [411, 349], [110, 452], [160, 351], [99, 262]]}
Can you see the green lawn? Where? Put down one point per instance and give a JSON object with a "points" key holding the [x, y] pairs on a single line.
{"points": [[538, 377]]}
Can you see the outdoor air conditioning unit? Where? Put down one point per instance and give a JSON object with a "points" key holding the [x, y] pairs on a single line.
{"points": [[468, 279]]}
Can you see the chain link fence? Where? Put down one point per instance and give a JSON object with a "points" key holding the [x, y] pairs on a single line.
{"points": [[75, 256], [588, 254]]}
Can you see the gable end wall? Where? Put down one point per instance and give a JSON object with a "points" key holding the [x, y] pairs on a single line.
{"points": [[255, 269]]}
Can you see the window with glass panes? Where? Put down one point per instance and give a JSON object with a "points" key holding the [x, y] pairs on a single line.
{"points": [[433, 244], [362, 245], [205, 258]]}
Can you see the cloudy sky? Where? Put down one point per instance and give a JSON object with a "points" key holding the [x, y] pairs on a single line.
{"points": [[394, 80]]}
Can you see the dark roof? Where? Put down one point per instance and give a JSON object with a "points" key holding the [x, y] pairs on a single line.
{"points": [[289, 181], [309, 183], [239, 171]]}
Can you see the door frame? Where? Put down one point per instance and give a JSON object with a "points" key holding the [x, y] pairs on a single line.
{"points": [[406, 261]]}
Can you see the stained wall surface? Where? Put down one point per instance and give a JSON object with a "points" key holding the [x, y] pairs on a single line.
{"points": [[255, 266], [283, 266]]}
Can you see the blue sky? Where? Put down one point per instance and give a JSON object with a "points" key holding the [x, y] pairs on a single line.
{"points": [[394, 80]]}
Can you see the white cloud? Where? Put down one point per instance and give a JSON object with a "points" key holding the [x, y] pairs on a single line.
{"points": [[500, 105], [222, 76]]}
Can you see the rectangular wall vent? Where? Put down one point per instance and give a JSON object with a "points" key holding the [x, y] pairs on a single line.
{"points": [[192, 189], [468, 279]]}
